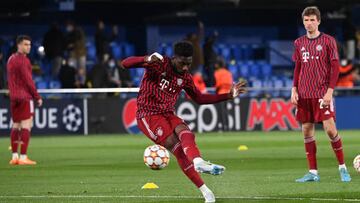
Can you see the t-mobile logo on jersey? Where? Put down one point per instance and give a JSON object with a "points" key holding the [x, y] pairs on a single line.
{"points": [[305, 56], [164, 84]]}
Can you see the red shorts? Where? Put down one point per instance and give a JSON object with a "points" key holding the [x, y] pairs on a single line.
{"points": [[312, 111], [21, 110], [159, 127]]}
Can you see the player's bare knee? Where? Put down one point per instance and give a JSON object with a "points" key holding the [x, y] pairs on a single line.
{"points": [[26, 124], [16, 126], [308, 129], [331, 132], [330, 128], [170, 142], [180, 128]]}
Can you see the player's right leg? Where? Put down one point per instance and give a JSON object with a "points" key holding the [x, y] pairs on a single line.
{"points": [[159, 130], [26, 126], [187, 140], [172, 143], [308, 130], [15, 140]]}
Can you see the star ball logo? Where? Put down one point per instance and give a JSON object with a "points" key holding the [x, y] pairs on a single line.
{"points": [[129, 116], [72, 118]]}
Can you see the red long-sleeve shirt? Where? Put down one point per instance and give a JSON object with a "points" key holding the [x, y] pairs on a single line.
{"points": [[21, 85], [316, 65], [161, 87]]}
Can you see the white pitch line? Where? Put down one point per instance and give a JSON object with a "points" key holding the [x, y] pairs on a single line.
{"points": [[179, 197]]}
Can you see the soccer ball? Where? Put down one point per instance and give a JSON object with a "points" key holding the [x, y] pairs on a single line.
{"points": [[156, 157], [357, 163]]}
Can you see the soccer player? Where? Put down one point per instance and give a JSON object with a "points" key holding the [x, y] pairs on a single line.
{"points": [[161, 85], [315, 75], [22, 93]]}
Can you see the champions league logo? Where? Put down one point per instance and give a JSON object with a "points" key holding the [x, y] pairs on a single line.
{"points": [[72, 118]]}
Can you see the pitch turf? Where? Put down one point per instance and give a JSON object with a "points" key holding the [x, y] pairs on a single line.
{"points": [[109, 168]]}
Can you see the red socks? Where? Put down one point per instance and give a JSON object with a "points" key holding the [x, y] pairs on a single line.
{"points": [[186, 166], [187, 140], [337, 147], [15, 139], [310, 148], [25, 138]]}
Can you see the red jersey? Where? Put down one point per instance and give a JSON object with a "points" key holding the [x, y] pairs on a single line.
{"points": [[318, 65], [21, 85], [161, 86]]}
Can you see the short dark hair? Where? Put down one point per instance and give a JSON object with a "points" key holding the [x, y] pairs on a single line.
{"points": [[183, 48], [21, 38], [311, 10]]}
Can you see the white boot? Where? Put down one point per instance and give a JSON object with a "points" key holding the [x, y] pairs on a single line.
{"points": [[202, 166]]}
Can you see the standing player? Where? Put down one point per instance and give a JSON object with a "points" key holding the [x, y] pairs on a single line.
{"points": [[316, 72], [161, 85], [22, 93]]}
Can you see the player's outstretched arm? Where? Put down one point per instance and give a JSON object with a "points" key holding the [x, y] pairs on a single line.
{"points": [[198, 97], [141, 61]]}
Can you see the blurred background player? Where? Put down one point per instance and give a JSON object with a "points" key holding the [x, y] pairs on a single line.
{"points": [[223, 77], [22, 93], [315, 76], [161, 86], [349, 74]]}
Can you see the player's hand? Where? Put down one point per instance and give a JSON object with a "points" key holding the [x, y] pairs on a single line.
{"points": [[154, 58], [237, 89], [327, 98], [39, 102], [294, 96]]}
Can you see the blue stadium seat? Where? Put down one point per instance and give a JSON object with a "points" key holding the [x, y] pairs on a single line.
{"points": [[54, 84], [136, 75], [161, 48], [235, 52], [169, 51], [116, 50], [268, 84], [254, 69], [278, 83], [91, 51], [37, 79], [256, 83], [245, 52], [165, 49], [244, 71], [128, 49], [266, 69], [45, 66], [226, 53], [288, 83], [235, 72], [42, 85]]}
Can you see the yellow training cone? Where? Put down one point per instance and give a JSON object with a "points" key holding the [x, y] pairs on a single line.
{"points": [[243, 148], [150, 186]]}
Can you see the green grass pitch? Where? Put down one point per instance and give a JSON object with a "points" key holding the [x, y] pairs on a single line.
{"points": [[110, 168]]}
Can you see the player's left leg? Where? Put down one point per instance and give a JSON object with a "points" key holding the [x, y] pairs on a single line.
{"points": [[25, 139], [336, 143], [187, 140], [172, 143]]}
